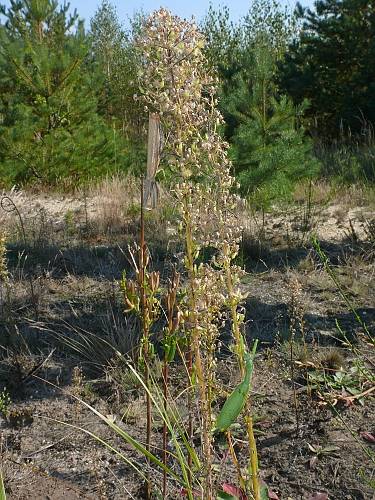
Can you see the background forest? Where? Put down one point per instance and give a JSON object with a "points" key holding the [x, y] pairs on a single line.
{"points": [[297, 94]]}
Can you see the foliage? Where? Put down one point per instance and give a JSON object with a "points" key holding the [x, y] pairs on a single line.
{"points": [[234, 49], [270, 18], [270, 151], [348, 161], [353, 380], [329, 65], [68, 113], [50, 128], [114, 53], [224, 42]]}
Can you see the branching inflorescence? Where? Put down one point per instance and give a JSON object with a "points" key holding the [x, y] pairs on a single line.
{"points": [[177, 86]]}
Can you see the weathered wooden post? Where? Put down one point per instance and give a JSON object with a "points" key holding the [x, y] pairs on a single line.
{"points": [[151, 189]]}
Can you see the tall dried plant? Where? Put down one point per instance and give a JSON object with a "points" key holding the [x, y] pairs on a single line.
{"points": [[4, 274], [296, 311], [177, 86], [140, 297]]}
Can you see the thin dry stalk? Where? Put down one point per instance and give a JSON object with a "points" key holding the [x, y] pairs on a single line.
{"points": [[145, 335], [169, 353], [296, 323], [232, 452]]}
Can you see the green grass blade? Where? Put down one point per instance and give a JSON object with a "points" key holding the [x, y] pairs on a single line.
{"points": [[133, 442], [182, 459]]}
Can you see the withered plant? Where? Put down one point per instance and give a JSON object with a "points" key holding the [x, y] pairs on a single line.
{"points": [[296, 311], [4, 275], [141, 297]]}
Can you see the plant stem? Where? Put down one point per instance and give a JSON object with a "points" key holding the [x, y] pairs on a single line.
{"points": [[253, 454], [165, 429], [295, 400], [145, 334], [195, 343], [235, 461]]}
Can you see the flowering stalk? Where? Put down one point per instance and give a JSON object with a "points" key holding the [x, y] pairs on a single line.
{"points": [[178, 87], [4, 275], [195, 349]]}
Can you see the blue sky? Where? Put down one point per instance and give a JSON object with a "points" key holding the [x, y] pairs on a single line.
{"points": [[184, 8]]}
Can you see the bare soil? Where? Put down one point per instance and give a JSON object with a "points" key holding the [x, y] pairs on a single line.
{"points": [[65, 265]]}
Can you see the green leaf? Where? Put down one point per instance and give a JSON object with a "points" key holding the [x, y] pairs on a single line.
{"points": [[236, 401], [264, 493], [225, 496]]}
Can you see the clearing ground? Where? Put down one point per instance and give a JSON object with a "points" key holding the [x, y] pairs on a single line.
{"points": [[63, 310]]}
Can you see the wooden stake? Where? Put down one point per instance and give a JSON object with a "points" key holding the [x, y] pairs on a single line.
{"points": [[151, 190]]}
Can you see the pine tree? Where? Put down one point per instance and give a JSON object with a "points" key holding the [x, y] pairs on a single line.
{"points": [[224, 40], [270, 151], [115, 54], [331, 64], [50, 128]]}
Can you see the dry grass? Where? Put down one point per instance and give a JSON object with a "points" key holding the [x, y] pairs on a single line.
{"points": [[326, 193], [320, 192], [113, 198], [354, 196]]}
